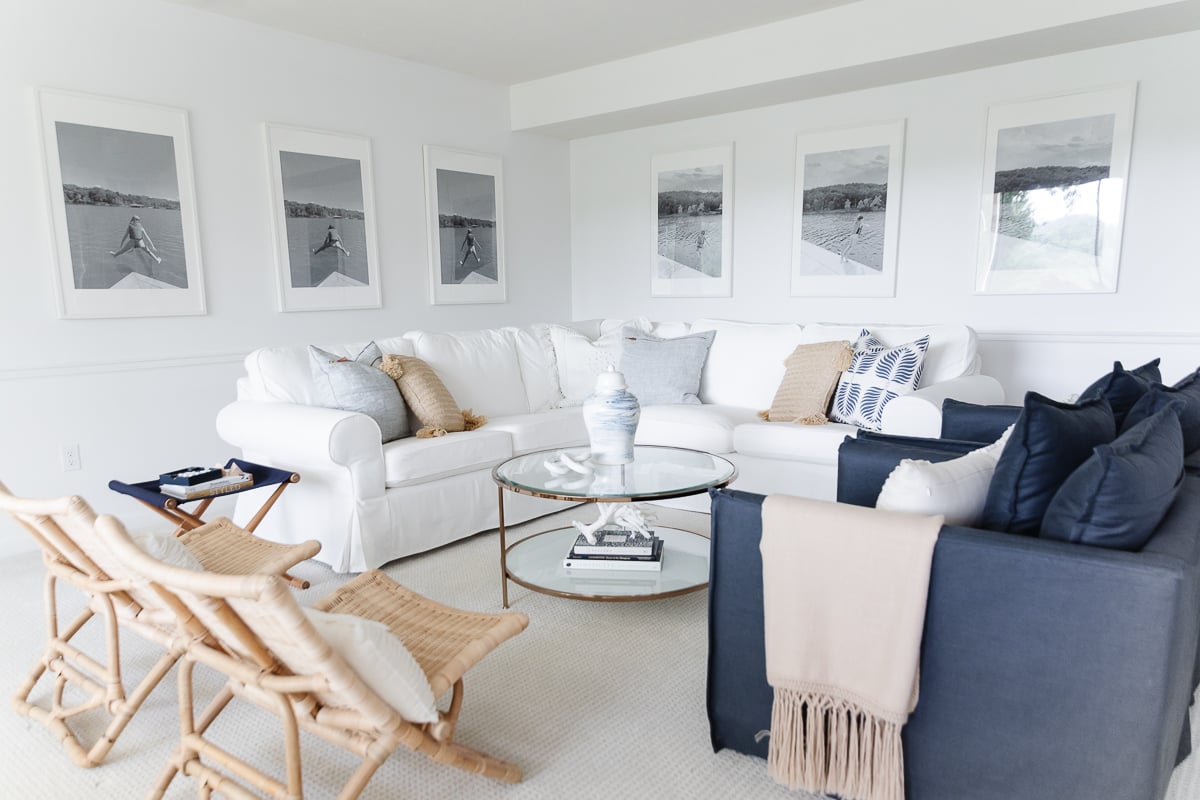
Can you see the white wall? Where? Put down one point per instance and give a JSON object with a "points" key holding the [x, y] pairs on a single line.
{"points": [[1053, 343], [140, 395]]}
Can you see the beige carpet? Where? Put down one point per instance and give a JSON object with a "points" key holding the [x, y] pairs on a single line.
{"points": [[594, 700]]}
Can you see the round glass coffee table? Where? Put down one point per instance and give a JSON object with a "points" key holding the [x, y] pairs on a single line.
{"points": [[657, 473]]}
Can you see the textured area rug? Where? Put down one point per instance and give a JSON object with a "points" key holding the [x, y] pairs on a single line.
{"points": [[593, 700]]}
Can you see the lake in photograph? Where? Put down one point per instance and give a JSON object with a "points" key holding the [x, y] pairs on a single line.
{"points": [[830, 230], [94, 231], [306, 234], [678, 237], [450, 243]]}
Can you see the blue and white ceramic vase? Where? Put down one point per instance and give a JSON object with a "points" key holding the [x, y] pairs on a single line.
{"points": [[611, 415]]}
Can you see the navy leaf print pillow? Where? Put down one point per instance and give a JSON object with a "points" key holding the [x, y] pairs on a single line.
{"points": [[877, 375]]}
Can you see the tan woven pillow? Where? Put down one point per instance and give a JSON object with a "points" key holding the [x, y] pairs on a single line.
{"points": [[812, 375], [428, 398]]}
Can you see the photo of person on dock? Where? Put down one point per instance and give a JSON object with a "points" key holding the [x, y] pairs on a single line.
{"points": [[332, 239]]}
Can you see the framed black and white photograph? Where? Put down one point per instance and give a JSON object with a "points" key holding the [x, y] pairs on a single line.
{"points": [[847, 212], [122, 207], [691, 231], [1053, 199], [464, 206], [323, 204]]}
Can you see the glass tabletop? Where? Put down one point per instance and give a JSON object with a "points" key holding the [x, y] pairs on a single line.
{"points": [[656, 472], [537, 563]]}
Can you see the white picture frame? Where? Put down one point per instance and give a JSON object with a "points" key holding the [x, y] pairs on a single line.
{"points": [[322, 198], [122, 205], [464, 208], [846, 217], [691, 223], [1052, 203]]}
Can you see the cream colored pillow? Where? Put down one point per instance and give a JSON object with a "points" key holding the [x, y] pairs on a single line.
{"points": [[428, 398], [808, 384]]}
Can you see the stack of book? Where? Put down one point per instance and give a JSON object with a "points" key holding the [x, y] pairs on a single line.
{"points": [[192, 484], [619, 549]]}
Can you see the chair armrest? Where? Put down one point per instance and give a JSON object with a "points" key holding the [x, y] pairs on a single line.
{"points": [[865, 462], [919, 413], [306, 438]]}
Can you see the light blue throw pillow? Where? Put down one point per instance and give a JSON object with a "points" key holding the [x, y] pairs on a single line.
{"points": [[664, 371], [877, 375], [359, 385]]}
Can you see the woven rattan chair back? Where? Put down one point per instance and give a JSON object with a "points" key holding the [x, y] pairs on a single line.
{"points": [[64, 529], [257, 635]]}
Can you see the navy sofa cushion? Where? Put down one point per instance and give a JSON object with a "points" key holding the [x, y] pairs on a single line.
{"points": [[974, 422], [1049, 442], [1119, 495], [1122, 387], [1187, 393]]}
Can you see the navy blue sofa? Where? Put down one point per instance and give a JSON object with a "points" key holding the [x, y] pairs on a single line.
{"points": [[1048, 669]]}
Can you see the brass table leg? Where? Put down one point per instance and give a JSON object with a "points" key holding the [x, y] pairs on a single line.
{"points": [[503, 549]]}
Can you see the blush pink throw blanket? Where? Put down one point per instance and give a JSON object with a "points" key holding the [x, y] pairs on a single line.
{"points": [[844, 591]]}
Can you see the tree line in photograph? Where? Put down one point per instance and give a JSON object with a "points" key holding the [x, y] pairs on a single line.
{"points": [[840, 196], [99, 196], [1028, 178], [318, 211], [689, 202], [459, 221]]}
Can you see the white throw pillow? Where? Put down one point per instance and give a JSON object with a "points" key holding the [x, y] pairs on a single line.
{"points": [[381, 660], [877, 375], [956, 488], [167, 549], [580, 359]]}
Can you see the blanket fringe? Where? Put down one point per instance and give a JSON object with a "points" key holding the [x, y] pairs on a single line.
{"points": [[472, 420], [827, 745], [430, 433]]}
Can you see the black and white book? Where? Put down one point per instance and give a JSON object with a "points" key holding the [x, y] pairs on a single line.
{"points": [[618, 542], [652, 562]]}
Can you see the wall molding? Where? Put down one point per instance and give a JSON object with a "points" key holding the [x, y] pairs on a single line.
{"points": [[1182, 338], [119, 365]]}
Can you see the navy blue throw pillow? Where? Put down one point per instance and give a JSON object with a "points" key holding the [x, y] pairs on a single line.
{"points": [[1122, 388], [1186, 394], [976, 423], [1118, 496], [1049, 441]]}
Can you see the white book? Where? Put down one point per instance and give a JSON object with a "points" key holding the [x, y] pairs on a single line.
{"points": [[612, 564]]}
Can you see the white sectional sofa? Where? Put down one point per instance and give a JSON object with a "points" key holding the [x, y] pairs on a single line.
{"points": [[369, 503]]}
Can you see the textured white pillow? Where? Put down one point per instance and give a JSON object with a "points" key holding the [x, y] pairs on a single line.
{"points": [[166, 549], [956, 488], [580, 359], [381, 660]]}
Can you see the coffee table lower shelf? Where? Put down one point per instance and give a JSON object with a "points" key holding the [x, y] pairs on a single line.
{"points": [[536, 563]]}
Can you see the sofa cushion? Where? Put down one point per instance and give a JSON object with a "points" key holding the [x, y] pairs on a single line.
{"points": [[974, 422], [412, 460], [877, 375], [664, 371], [1118, 496], [952, 351], [579, 359], [480, 368], [357, 384], [539, 372], [1122, 387], [561, 427], [816, 444], [1048, 443], [810, 376], [956, 488], [429, 399], [707, 427], [745, 362], [1186, 393]]}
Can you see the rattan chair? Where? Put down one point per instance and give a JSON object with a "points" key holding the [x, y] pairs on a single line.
{"points": [[252, 631], [64, 529]]}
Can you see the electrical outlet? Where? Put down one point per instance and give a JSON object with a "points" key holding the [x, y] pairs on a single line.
{"points": [[70, 458]]}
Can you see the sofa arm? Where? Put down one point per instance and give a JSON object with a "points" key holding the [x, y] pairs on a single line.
{"points": [[919, 413], [307, 438], [864, 462]]}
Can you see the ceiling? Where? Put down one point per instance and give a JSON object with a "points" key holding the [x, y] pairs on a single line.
{"points": [[512, 41]]}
